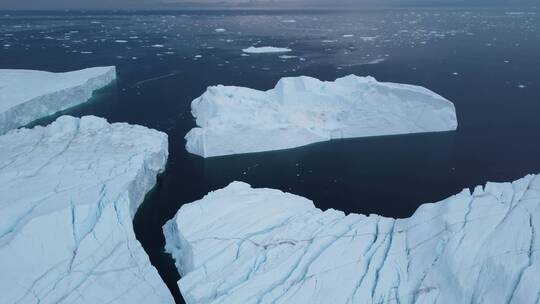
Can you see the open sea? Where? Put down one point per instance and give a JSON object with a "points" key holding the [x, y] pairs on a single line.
{"points": [[486, 61]]}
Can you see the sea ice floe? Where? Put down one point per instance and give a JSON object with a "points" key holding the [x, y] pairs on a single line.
{"points": [[265, 49]]}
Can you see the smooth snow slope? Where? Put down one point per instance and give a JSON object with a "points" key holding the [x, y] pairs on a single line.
{"points": [[27, 95], [244, 245], [69, 192], [304, 110]]}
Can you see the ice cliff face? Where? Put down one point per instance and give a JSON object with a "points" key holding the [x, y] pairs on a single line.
{"points": [[69, 193], [27, 95], [304, 110], [244, 245]]}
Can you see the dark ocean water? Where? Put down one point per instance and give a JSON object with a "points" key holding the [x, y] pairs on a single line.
{"points": [[486, 61]]}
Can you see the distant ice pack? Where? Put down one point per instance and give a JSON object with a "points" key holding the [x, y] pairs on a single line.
{"points": [[305, 110], [69, 192], [27, 95], [244, 245]]}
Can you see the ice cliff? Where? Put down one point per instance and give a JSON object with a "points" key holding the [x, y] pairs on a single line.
{"points": [[244, 245], [69, 193], [27, 95], [304, 110]]}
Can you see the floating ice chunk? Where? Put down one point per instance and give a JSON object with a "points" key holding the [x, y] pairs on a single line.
{"points": [[265, 49], [121, 41], [287, 57], [368, 38], [27, 95], [375, 61], [158, 46], [69, 194], [244, 245], [304, 110], [348, 36], [219, 30]]}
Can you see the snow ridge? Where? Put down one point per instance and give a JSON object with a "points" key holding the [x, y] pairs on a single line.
{"points": [[69, 194], [244, 245]]}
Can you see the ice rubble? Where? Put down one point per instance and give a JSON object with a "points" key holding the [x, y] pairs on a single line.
{"points": [[304, 110], [27, 95], [69, 193], [265, 49], [244, 245]]}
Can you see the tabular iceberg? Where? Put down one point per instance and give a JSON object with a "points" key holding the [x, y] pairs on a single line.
{"points": [[244, 245], [69, 193], [304, 110], [27, 95]]}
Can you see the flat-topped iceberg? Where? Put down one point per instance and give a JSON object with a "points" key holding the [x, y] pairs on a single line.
{"points": [[27, 95], [244, 245], [69, 193], [265, 49], [304, 110]]}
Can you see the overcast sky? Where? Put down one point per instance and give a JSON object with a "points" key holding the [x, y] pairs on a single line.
{"points": [[156, 4]]}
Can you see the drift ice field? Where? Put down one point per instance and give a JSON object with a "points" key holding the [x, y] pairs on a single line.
{"points": [[269, 155]]}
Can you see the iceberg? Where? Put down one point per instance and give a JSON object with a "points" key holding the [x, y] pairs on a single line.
{"points": [[69, 193], [244, 245], [27, 95], [265, 49], [305, 110]]}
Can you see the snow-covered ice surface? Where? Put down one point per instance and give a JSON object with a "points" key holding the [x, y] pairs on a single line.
{"points": [[69, 193], [265, 49], [244, 245], [27, 95], [304, 110]]}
